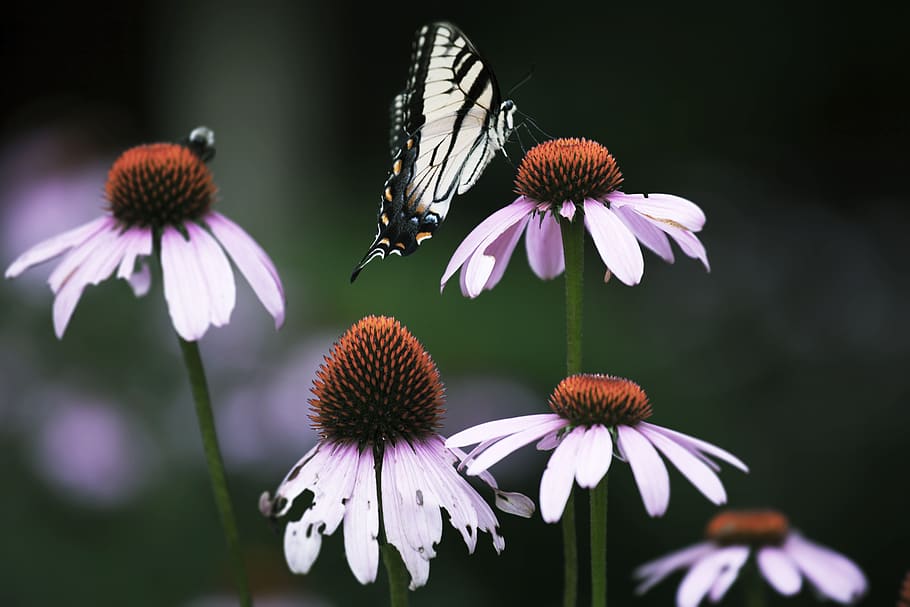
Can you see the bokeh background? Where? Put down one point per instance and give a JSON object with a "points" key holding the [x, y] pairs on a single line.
{"points": [[786, 122]]}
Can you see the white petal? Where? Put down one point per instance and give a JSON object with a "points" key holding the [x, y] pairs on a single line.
{"points": [[694, 469], [57, 245], [780, 570], [706, 572], [556, 482], [253, 263], [654, 571], [648, 469], [496, 429], [697, 445], [831, 573], [616, 244], [361, 522], [509, 444], [666, 207], [594, 456]]}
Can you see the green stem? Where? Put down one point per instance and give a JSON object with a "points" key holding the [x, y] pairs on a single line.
{"points": [[599, 544], [573, 243], [754, 587], [398, 576], [215, 464]]}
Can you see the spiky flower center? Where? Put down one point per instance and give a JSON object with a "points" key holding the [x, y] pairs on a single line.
{"points": [[751, 527], [588, 399], [571, 169], [378, 383], [159, 184]]}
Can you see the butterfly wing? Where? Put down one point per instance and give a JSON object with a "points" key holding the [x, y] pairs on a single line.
{"points": [[446, 128]]}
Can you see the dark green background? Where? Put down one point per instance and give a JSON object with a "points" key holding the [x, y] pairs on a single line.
{"points": [[786, 123]]}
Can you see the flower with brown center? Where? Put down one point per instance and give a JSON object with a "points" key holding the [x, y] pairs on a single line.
{"points": [[160, 196], [377, 404], [590, 413], [556, 180], [784, 557]]}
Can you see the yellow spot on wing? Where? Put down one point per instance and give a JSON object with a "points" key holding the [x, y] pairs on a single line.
{"points": [[399, 245], [396, 168], [421, 236], [385, 219], [388, 194]]}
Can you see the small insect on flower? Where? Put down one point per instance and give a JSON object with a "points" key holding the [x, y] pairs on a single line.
{"points": [[591, 413], [380, 468], [556, 180], [783, 556], [160, 199]]}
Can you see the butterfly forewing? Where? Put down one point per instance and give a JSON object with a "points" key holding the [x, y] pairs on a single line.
{"points": [[445, 130]]}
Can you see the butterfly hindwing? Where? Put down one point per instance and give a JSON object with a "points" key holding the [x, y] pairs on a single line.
{"points": [[447, 125]]}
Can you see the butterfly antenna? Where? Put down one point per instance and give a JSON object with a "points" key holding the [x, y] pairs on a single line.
{"points": [[524, 80]]}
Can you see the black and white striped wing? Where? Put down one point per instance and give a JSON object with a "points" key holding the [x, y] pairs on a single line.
{"points": [[446, 127]]}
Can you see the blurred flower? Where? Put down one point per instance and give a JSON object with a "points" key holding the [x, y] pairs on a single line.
{"points": [[556, 179], [783, 556], [377, 403], [589, 411], [274, 600], [904, 599], [160, 197], [91, 452]]}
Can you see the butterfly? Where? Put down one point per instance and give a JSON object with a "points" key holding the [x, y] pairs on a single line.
{"points": [[446, 127]]}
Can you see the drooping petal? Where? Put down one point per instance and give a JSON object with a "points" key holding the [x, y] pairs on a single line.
{"points": [[663, 207], [57, 245], [594, 456], [486, 232], [253, 262], [831, 573], [615, 242], [104, 252], [654, 571], [198, 281], [648, 469], [707, 571], [543, 242], [698, 445], [509, 502], [556, 482], [508, 444], [649, 235], [496, 429], [140, 281], [486, 267], [361, 522], [138, 243], [722, 584], [548, 442], [693, 468], [82, 253], [780, 570], [688, 243], [567, 209]]}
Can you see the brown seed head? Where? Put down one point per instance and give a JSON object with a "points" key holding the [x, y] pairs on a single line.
{"points": [[159, 184], [752, 527], [563, 170], [587, 399], [377, 384]]}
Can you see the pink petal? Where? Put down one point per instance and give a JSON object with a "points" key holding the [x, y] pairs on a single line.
{"points": [[649, 235], [830, 572], [654, 571], [648, 469], [688, 243], [511, 443], [104, 252], [361, 522], [485, 268], [662, 207], [253, 263], [706, 572], [694, 469], [496, 429], [567, 210], [722, 584], [594, 456], [543, 242], [56, 245], [198, 281], [697, 445], [780, 570], [138, 242], [81, 253], [141, 280], [615, 242], [486, 232], [556, 482]]}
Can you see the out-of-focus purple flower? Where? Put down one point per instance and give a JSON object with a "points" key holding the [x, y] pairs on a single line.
{"points": [[556, 180], [592, 414], [782, 554], [160, 197], [91, 452], [378, 402]]}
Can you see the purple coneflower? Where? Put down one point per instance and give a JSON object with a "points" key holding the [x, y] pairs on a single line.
{"points": [[904, 599], [783, 556], [591, 412], [160, 196], [380, 468], [556, 180]]}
